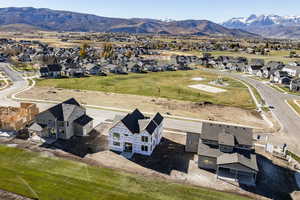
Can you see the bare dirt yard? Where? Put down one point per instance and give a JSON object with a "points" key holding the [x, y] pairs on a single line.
{"points": [[200, 110]]}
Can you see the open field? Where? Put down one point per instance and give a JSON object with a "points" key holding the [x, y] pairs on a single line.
{"points": [[273, 56], [170, 85], [39, 176], [150, 105]]}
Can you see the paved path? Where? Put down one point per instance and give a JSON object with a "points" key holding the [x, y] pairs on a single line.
{"points": [[289, 120]]}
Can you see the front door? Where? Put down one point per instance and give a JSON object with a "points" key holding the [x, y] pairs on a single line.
{"points": [[128, 147]]}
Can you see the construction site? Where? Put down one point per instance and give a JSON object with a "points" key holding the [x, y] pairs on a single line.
{"points": [[16, 118]]}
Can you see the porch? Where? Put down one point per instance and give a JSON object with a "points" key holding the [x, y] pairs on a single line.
{"points": [[234, 175]]}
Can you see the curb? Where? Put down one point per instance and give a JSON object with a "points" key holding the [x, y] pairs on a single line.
{"points": [[291, 107]]}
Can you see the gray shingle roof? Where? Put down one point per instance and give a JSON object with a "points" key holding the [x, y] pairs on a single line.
{"points": [[226, 139], [242, 135], [205, 150], [63, 111], [238, 158], [83, 120]]}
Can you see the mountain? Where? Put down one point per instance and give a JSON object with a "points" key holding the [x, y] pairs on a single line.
{"points": [[54, 20], [274, 26], [19, 28]]}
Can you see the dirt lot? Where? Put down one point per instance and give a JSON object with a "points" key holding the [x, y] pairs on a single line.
{"points": [[148, 104], [10, 196]]}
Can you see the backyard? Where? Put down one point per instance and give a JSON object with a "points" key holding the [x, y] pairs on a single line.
{"points": [[170, 85], [42, 176]]}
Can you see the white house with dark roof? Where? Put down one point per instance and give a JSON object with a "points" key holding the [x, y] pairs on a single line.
{"points": [[136, 133]]}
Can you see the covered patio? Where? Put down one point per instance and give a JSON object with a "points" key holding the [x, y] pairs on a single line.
{"points": [[237, 168]]}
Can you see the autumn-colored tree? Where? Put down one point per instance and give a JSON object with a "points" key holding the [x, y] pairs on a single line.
{"points": [[83, 51], [107, 51]]}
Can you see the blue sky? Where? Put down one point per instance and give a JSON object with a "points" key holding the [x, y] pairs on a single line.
{"points": [[215, 10]]}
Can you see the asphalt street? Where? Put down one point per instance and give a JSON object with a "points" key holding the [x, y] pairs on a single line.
{"points": [[99, 116], [289, 120]]}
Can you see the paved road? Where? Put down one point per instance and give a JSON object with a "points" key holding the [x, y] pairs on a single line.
{"points": [[99, 116], [289, 120]]}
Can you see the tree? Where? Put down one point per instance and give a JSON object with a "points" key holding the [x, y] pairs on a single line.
{"points": [[83, 50], [293, 54], [107, 51]]}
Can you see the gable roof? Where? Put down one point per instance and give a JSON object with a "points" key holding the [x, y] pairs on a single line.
{"points": [[227, 158], [205, 150], [242, 135], [136, 122], [64, 110], [131, 121], [83, 120], [71, 101]]}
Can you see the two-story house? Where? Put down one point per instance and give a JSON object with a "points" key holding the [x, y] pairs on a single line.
{"points": [[136, 133], [226, 149], [63, 121]]}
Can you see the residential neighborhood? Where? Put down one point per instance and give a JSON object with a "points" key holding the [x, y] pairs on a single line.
{"points": [[138, 105]]}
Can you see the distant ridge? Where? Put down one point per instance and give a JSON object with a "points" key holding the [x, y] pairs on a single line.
{"points": [[54, 20], [274, 26]]}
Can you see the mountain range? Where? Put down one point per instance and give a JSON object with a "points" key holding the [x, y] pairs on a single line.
{"points": [[272, 26], [16, 19]]}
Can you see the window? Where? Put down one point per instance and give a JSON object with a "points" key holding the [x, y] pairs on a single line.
{"points": [[144, 148], [144, 139], [116, 136], [117, 144]]}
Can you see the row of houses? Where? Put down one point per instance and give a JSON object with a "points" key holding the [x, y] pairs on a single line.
{"points": [[276, 72], [225, 149]]}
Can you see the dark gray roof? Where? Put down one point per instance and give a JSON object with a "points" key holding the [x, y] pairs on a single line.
{"points": [[242, 135], [136, 122], [72, 101], [63, 111], [158, 118], [227, 158], [226, 139], [131, 121], [36, 127], [54, 67], [83, 120], [205, 150]]}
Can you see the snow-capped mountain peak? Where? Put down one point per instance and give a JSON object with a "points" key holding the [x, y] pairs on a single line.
{"points": [[268, 25], [263, 20]]}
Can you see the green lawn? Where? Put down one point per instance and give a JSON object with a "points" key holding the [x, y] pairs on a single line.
{"points": [[273, 56], [33, 175], [294, 105], [282, 88], [172, 85]]}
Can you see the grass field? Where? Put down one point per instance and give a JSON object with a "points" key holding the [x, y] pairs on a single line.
{"points": [[282, 88], [171, 85], [294, 105], [36, 176], [273, 56]]}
